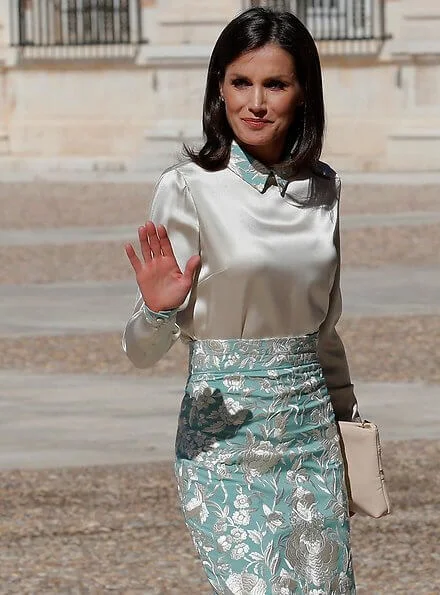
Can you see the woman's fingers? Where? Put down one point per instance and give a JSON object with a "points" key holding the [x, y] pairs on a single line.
{"points": [[191, 267], [165, 244], [153, 240], [133, 258], [143, 242]]}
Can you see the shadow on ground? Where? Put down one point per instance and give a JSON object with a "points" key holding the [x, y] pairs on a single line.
{"points": [[119, 529]]}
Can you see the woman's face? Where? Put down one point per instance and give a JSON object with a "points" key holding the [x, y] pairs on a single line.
{"points": [[261, 93]]}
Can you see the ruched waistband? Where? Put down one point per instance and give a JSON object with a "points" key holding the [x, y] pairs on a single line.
{"points": [[234, 355]]}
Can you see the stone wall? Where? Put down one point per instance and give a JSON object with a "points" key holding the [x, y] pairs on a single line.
{"points": [[383, 103]]}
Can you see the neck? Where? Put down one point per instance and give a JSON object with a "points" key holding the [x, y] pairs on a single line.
{"points": [[268, 155]]}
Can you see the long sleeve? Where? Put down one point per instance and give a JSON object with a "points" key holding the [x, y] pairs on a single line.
{"points": [[148, 337], [332, 353]]}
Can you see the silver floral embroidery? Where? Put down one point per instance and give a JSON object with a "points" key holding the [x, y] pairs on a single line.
{"points": [[255, 173], [259, 469]]}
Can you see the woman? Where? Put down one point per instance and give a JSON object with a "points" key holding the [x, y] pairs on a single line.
{"points": [[241, 259]]}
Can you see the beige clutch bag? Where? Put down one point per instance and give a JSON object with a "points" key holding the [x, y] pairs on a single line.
{"points": [[364, 474]]}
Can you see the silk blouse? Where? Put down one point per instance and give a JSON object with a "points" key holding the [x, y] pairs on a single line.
{"points": [[270, 262]]}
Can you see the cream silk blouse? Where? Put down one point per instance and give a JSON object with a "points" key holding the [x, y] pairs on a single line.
{"points": [[269, 247]]}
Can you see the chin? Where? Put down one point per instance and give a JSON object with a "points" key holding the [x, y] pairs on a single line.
{"points": [[256, 139]]}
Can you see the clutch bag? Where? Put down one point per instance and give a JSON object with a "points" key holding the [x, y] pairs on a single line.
{"points": [[364, 476]]}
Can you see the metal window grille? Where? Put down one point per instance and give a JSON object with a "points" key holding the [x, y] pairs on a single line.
{"points": [[274, 4], [47, 23], [332, 20]]}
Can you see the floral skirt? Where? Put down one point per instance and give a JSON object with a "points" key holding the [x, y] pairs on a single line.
{"points": [[259, 469]]}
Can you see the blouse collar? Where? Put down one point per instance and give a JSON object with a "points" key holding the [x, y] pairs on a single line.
{"points": [[255, 173]]}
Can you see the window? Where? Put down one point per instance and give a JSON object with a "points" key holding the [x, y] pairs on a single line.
{"points": [[274, 4], [329, 20], [333, 19], [45, 23]]}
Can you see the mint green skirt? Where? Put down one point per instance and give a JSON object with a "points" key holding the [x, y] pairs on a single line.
{"points": [[259, 469]]}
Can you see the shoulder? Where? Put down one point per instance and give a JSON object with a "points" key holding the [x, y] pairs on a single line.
{"points": [[183, 186], [171, 192], [187, 170], [327, 177], [323, 169], [189, 178], [171, 173], [173, 179]]}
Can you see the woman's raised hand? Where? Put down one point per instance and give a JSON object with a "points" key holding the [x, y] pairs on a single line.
{"points": [[160, 280]]}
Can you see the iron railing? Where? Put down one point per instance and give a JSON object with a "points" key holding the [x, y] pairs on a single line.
{"points": [[61, 24], [335, 20]]}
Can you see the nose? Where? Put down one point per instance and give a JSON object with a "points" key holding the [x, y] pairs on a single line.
{"points": [[257, 102]]}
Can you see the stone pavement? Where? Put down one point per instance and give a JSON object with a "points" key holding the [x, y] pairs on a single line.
{"points": [[124, 233], [50, 420], [87, 495], [71, 419], [84, 170], [41, 309]]}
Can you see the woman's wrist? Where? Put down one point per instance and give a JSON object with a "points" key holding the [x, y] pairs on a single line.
{"points": [[159, 316]]}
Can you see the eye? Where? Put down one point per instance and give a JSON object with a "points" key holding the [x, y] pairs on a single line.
{"points": [[240, 83], [275, 84]]}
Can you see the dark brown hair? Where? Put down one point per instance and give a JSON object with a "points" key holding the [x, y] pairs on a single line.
{"points": [[251, 30]]}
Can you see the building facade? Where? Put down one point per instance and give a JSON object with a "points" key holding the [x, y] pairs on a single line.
{"points": [[120, 83]]}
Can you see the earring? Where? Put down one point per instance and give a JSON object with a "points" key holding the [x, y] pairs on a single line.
{"points": [[222, 99]]}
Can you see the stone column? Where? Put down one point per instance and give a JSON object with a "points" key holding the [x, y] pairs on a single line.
{"points": [[415, 141], [5, 59], [181, 36]]}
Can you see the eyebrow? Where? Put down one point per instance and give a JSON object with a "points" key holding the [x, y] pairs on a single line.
{"points": [[271, 77]]}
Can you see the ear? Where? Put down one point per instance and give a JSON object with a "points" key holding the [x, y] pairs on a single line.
{"points": [[301, 101]]}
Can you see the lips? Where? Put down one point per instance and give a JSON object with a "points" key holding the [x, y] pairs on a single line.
{"points": [[255, 123]]}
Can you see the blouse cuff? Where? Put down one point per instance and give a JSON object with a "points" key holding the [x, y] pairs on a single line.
{"points": [[345, 403], [157, 318]]}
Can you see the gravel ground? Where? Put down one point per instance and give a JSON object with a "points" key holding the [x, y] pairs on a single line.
{"points": [[41, 204], [372, 247], [97, 353], [107, 260], [100, 261], [388, 198], [119, 529], [379, 349], [401, 348], [44, 204]]}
